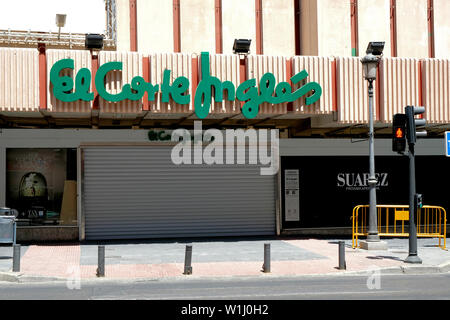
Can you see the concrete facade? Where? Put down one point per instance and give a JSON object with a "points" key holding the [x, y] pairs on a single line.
{"points": [[123, 25], [412, 29], [235, 27], [373, 24], [442, 29], [333, 31], [325, 26], [278, 32], [155, 27], [308, 28], [197, 26]]}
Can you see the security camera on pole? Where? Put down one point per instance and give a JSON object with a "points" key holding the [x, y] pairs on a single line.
{"points": [[370, 63]]}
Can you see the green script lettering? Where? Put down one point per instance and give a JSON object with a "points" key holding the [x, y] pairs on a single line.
{"points": [[310, 86], [268, 91], [63, 85], [176, 90], [133, 92], [202, 100], [248, 93]]}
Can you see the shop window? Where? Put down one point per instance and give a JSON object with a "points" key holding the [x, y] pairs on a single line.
{"points": [[41, 186]]}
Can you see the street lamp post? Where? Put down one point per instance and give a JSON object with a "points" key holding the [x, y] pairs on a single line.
{"points": [[60, 22], [370, 63]]}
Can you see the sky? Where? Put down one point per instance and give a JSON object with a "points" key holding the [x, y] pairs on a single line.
{"points": [[83, 16]]}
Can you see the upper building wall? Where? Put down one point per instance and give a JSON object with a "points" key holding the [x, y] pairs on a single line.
{"points": [[412, 28], [442, 28], [123, 25], [235, 27], [278, 34], [154, 27], [308, 16], [333, 31], [327, 27], [157, 32], [197, 26], [375, 28]]}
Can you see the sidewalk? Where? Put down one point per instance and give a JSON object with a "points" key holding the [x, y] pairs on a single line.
{"points": [[155, 259]]}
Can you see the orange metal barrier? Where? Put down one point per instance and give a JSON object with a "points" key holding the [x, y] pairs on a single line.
{"points": [[431, 222]]}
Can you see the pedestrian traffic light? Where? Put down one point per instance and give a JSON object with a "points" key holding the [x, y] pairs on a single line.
{"points": [[399, 133], [412, 123], [418, 200]]}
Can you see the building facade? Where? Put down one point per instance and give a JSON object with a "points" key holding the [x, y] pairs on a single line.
{"points": [[86, 135]]}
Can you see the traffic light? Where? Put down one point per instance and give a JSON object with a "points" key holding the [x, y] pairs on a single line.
{"points": [[418, 200], [399, 133], [412, 123]]}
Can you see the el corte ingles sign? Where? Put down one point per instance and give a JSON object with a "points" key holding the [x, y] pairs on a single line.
{"points": [[65, 90]]}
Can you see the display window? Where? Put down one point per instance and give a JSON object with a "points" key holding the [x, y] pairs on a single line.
{"points": [[41, 185], [321, 192]]}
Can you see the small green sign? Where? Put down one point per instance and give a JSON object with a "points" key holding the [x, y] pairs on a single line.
{"points": [[159, 136]]}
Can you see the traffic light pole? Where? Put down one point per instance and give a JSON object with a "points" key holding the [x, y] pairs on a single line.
{"points": [[412, 255]]}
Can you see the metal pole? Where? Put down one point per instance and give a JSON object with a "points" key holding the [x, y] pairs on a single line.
{"points": [[188, 260], [373, 229], [342, 264], [266, 265], [412, 255], [16, 258], [101, 261], [14, 231]]}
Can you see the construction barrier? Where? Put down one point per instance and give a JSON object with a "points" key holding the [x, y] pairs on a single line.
{"points": [[392, 221]]}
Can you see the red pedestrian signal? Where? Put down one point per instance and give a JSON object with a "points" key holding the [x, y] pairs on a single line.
{"points": [[398, 133]]}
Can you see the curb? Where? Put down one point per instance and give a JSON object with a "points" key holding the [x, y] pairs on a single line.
{"points": [[31, 279], [445, 267], [414, 269], [9, 276], [407, 269], [21, 278], [382, 271], [404, 269]]}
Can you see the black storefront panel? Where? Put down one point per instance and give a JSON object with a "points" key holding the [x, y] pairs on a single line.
{"points": [[330, 187]]}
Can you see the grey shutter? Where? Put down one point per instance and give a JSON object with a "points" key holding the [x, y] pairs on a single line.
{"points": [[137, 192]]}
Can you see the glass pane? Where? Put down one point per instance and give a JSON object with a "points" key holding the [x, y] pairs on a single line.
{"points": [[41, 185]]}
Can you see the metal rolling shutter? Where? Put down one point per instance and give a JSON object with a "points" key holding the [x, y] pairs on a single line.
{"points": [[137, 192]]}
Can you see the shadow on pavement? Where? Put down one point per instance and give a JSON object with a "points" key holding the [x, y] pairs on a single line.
{"points": [[179, 240], [384, 257], [337, 242]]}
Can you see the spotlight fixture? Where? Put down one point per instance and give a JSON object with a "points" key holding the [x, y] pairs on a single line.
{"points": [[375, 48], [241, 46], [94, 41]]}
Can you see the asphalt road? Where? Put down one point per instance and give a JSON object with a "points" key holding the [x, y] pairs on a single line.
{"points": [[368, 287]]}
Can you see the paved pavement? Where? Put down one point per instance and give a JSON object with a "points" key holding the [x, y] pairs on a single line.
{"points": [[215, 258]]}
